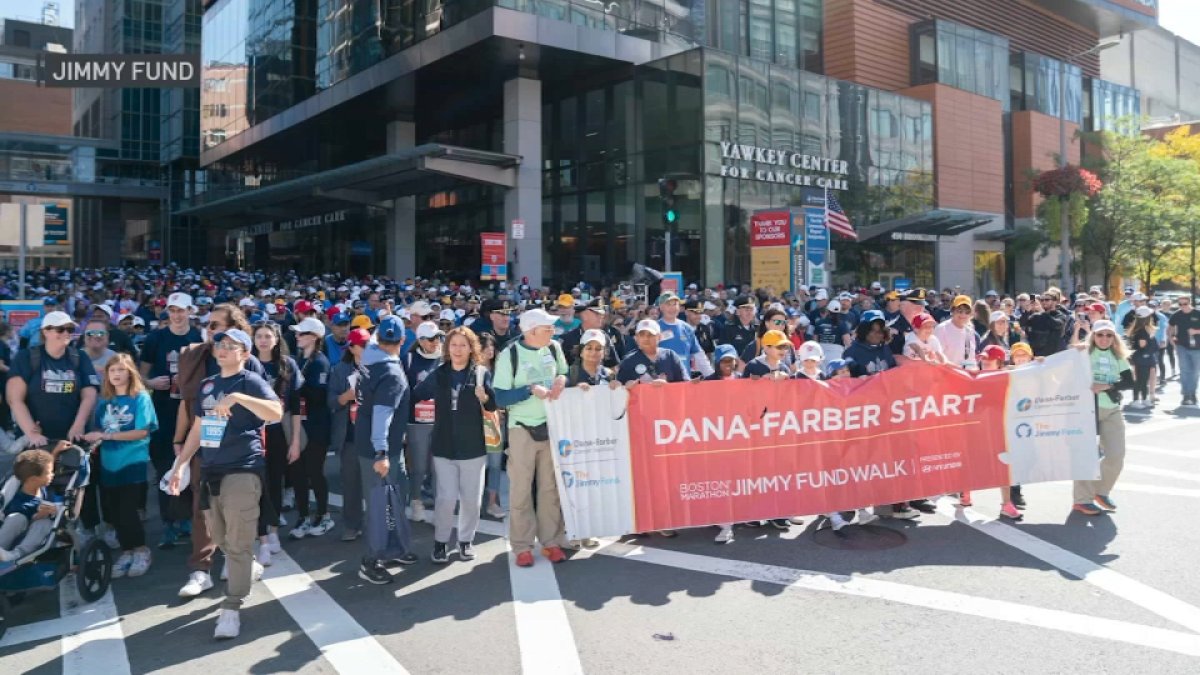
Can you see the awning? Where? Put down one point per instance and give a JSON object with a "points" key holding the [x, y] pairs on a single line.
{"points": [[376, 181], [935, 223]]}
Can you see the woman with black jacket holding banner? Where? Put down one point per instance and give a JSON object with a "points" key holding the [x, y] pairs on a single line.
{"points": [[460, 390], [1110, 374]]}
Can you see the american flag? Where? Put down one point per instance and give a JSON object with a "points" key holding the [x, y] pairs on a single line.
{"points": [[835, 217]]}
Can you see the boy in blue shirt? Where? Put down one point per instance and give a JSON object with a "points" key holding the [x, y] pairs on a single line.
{"points": [[29, 513]]}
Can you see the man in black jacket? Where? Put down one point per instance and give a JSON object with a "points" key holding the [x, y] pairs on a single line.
{"points": [[1045, 329], [591, 317]]}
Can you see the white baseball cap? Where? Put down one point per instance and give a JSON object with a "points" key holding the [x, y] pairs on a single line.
{"points": [[181, 300], [536, 318], [447, 315], [648, 325], [420, 308], [247, 302], [594, 335], [57, 319], [428, 329], [1144, 311], [811, 351], [1104, 324], [310, 325], [821, 294]]}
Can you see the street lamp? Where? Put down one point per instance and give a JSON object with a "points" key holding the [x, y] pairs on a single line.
{"points": [[1064, 236]]}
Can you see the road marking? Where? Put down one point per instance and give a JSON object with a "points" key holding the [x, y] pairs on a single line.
{"points": [[1157, 490], [484, 553], [100, 646], [1163, 451], [342, 641], [1165, 473], [54, 628], [1152, 599], [929, 598]]}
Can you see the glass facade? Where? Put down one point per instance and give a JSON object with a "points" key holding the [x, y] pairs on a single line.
{"points": [[1037, 84], [1107, 103], [962, 57], [181, 106]]}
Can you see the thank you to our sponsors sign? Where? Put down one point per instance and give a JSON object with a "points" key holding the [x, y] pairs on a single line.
{"points": [[120, 70], [770, 248]]}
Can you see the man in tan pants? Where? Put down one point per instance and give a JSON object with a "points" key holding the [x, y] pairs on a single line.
{"points": [[529, 372]]}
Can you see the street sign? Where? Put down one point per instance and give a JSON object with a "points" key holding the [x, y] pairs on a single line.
{"points": [[518, 229]]}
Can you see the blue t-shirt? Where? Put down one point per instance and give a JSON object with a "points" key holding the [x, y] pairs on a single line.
{"points": [[240, 445], [334, 349], [638, 367], [680, 338], [25, 504], [54, 394], [124, 462], [869, 359], [759, 367], [313, 392], [385, 385], [828, 329], [161, 350]]}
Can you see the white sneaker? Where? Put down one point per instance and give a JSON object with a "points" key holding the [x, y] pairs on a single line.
{"points": [[141, 563], [229, 624], [725, 535], [321, 527], [121, 567], [110, 538], [197, 583], [225, 570], [264, 555], [496, 512], [256, 571], [837, 522], [417, 512], [301, 530], [865, 516], [273, 544], [289, 499]]}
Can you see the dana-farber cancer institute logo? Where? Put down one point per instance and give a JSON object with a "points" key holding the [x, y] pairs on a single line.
{"points": [[565, 448], [1024, 405]]}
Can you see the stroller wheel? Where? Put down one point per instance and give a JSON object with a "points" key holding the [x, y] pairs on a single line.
{"points": [[95, 570]]}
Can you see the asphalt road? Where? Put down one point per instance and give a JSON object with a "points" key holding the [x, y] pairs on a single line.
{"points": [[956, 591]]}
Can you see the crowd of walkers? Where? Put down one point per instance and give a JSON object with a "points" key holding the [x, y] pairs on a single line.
{"points": [[232, 389]]}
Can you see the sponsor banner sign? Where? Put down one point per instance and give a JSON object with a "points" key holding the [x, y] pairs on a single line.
{"points": [[17, 313], [770, 249], [719, 452], [494, 252], [590, 444], [120, 70]]}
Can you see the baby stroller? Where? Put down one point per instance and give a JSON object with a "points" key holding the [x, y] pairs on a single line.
{"points": [[63, 551]]}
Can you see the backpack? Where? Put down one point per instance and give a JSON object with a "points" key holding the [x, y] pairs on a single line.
{"points": [[513, 358], [35, 359]]}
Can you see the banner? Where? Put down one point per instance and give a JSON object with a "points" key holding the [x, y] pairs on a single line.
{"points": [[494, 254], [719, 452], [770, 250]]}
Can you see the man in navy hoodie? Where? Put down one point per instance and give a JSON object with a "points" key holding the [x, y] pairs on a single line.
{"points": [[379, 429]]}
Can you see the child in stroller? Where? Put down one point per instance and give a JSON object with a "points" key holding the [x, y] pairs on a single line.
{"points": [[29, 515]]}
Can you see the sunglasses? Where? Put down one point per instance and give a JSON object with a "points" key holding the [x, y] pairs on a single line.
{"points": [[230, 346], [96, 333], [778, 322], [306, 334], [59, 329], [435, 338]]}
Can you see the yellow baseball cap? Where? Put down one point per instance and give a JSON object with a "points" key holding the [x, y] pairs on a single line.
{"points": [[775, 338], [962, 300], [362, 321], [566, 300]]}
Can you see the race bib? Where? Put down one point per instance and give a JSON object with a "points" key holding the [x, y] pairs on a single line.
{"points": [[423, 412], [212, 430], [58, 386]]}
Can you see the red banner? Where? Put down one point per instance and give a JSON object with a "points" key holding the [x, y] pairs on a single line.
{"points": [[494, 255], [770, 228], [720, 452]]}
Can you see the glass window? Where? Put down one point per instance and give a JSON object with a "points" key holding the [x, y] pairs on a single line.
{"points": [[760, 29]]}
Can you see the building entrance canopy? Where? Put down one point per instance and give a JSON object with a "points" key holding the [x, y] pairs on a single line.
{"points": [[423, 169], [935, 223]]}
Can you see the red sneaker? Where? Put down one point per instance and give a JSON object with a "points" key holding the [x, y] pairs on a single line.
{"points": [[525, 559], [964, 499], [554, 554]]}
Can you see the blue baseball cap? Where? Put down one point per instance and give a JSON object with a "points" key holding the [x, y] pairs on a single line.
{"points": [[235, 334], [872, 315], [725, 352], [836, 365], [390, 329], [49, 301], [341, 319]]}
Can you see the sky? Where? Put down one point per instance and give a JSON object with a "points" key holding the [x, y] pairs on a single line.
{"points": [[1179, 16]]}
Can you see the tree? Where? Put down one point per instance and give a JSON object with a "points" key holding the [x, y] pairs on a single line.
{"points": [[1182, 144]]}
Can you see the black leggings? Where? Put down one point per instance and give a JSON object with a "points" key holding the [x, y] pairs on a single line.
{"points": [[121, 504], [271, 505], [1141, 380], [309, 473]]}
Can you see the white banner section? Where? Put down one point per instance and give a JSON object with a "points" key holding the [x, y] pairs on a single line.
{"points": [[589, 438]]}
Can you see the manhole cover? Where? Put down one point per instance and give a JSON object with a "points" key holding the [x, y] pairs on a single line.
{"points": [[860, 538]]}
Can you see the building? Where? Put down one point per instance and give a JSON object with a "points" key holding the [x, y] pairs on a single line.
{"points": [[349, 135]]}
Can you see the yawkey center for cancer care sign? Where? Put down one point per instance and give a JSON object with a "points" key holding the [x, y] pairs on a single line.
{"points": [[692, 454]]}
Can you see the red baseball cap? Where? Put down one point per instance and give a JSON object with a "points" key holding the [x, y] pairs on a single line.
{"points": [[1097, 307], [358, 336], [993, 353], [303, 306], [922, 319]]}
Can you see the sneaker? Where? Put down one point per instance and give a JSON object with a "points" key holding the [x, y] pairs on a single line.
{"points": [[170, 537], [666, 534], [406, 559], [322, 526], [185, 528], [964, 499], [350, 534], [439, 555], [725, 535], [1087, 509], [282, 522], [591, 542], [1105, 503], [554, 554], [496, 512], [301, 530], [197, 583], [923, 506], [902, 513], [374, 573], [796, 520], [110, 538], [467, 552], [256, 571], [781, 524], [225, 570], [141, 563], [525, 559], [229, 624], [264, 555], [837, 522], [865, 517], [1015, 496], [417, 512], [289, 499], [273, 544], [1010, 512], [121, 567]]}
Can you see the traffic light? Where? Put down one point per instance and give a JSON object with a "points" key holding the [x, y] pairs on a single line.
{"points": [[666, 191]]}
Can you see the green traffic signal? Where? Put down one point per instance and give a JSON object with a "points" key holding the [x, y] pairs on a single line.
{"points": [[670, 216]]}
